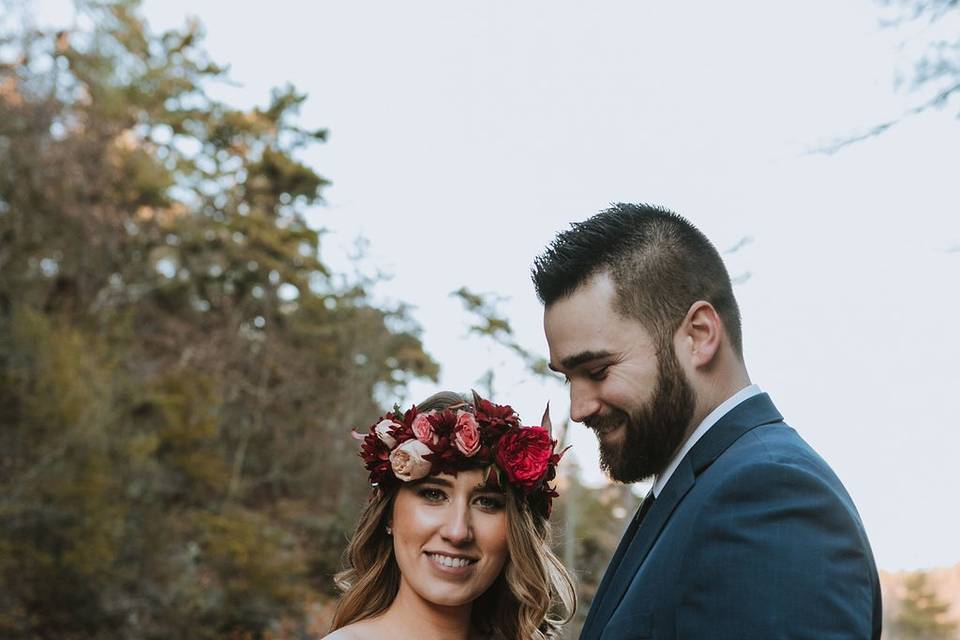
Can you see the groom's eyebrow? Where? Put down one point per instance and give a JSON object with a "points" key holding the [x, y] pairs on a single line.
{"points": [[577, 359]]}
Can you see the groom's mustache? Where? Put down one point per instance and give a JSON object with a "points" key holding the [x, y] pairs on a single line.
{"points": [[600, 424]]}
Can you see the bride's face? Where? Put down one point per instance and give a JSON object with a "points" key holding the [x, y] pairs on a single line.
{"points": [[449, 537]]}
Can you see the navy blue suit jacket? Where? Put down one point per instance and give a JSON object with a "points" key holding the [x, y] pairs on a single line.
{"points": [[752, 537]]}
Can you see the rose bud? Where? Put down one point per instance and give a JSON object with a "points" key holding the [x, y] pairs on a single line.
{"points": [[408, 462], [383, 432]]}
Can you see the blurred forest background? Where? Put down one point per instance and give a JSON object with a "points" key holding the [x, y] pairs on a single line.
{"points": [[179, 369]]}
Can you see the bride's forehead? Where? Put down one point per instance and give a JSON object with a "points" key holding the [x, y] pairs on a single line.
{"points": [[467, 480]]}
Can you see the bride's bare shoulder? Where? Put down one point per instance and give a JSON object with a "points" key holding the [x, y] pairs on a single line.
{"points": [[356, 631]]}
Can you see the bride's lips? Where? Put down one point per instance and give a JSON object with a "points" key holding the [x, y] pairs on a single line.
{"points": [[451, 564]]}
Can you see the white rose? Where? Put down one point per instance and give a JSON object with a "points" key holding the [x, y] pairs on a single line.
{"points": [[407, 460], [383, 432]]}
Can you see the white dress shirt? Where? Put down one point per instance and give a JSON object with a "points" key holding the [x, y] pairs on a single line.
{"points": [[722, 409]]}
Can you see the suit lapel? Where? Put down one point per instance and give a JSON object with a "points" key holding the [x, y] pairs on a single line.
{"points": [[638, 548], [637, 542]]}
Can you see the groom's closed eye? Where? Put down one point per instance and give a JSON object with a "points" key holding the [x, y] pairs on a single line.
{"points": [[598, 374]]}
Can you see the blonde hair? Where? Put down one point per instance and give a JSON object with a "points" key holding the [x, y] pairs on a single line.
{"points": [[531, 598]]}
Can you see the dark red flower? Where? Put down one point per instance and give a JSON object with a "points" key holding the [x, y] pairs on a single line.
{"points": [[496, 417], [376, 458], [444, 422], [525, 455]]}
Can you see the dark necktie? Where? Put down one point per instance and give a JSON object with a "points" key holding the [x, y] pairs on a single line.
{"points": [[645, 507]]}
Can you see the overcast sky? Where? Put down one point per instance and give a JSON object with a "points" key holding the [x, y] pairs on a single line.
{"points": [[465, 135]]}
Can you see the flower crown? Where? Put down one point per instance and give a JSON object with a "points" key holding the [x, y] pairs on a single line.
{"points": [[407, 446]]}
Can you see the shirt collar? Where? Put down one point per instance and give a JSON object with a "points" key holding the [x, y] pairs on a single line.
{"points": [[722, 409]]}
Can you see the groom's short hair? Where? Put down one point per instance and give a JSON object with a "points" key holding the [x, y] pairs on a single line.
{"points": [[660, 264]]}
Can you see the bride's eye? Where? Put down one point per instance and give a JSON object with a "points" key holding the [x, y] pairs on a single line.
{"points": [[431, 495], [490, 503]]}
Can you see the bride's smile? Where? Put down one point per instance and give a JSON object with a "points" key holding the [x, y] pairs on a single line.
{"points": [[454, 542], [448, 563], [450, 537]]}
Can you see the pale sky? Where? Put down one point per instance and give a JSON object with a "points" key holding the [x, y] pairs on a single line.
{"points": [[465, 135]]}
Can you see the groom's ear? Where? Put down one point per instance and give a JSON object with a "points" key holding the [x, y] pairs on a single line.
{"points": [[700, 335]]}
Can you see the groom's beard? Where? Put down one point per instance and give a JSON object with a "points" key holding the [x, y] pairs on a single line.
{"points": [[652, 432]]}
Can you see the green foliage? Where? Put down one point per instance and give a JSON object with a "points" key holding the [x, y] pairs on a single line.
{"points": [[179, 371], [62, 527], [492, 324], [922, 615]]}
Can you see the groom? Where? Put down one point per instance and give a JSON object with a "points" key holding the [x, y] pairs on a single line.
{"points": [[747, 532]]}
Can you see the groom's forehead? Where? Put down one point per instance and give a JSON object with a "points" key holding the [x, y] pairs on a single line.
{"points": [[586, 319], [580, 334], [576, 339]]}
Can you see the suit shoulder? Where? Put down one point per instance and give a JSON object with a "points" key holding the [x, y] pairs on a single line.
{"points": [[773, 463], [776, 472], [776, 448]]}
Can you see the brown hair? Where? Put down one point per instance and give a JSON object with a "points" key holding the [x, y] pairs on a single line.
{"points": [[523, 602], [660, 263]]}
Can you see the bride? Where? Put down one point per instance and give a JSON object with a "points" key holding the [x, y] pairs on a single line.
{"points": [[455, 540]]}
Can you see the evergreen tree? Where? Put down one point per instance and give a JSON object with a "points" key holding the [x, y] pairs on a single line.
{"points": [[179, 371]]}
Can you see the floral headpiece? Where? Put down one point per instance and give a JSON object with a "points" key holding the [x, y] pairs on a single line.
{"points": [[407, 446]]}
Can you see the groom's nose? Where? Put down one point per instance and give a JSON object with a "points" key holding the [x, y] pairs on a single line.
{"points": [[583, 401]]}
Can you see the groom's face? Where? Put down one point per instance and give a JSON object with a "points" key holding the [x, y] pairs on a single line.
{"points": [[631, 391]]}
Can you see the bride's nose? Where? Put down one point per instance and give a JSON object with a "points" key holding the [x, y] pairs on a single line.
{"points": [[457, 526]]}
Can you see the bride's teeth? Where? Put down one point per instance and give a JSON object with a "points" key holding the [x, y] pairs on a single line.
{"points": [[447, 561]]}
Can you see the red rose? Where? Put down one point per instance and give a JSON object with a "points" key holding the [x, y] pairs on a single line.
{"points": [[524, 455]]}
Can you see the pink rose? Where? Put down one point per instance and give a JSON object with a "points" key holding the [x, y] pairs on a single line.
{"points": [[407, 460], [423, 429], [383, 429], [467, 434]]}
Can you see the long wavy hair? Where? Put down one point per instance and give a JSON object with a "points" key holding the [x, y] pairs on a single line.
{"points": [[531, 598]]}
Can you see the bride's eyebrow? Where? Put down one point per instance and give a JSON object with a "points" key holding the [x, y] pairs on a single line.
{"points": [[488, 488], [443, 482]]}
